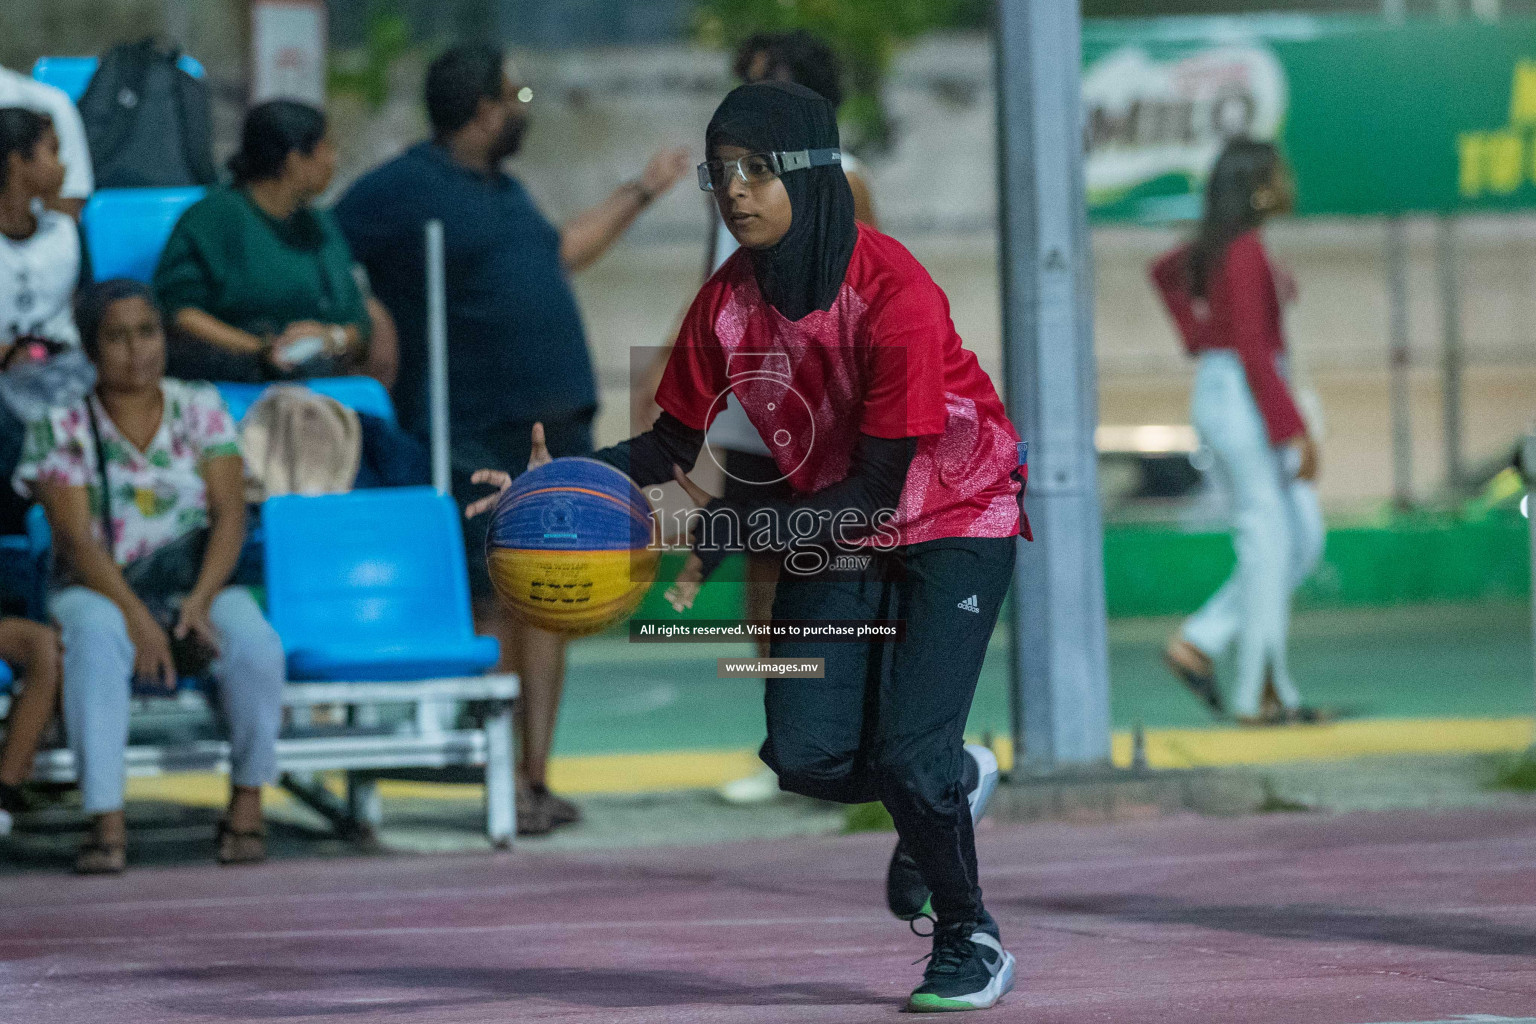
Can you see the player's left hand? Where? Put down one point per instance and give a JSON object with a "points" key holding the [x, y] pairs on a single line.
{"points": [[698, 495], [681, 593]]}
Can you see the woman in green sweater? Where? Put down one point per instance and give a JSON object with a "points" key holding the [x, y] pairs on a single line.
{"points": [[259, 284]]}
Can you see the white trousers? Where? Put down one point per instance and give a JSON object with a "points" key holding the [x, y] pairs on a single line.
{"points": [[1277, 532]]}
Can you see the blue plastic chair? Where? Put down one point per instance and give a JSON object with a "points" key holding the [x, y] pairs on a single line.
{"points": [[371, 587], [126, 228], [73, 74], [25, 561], [363, 394]]}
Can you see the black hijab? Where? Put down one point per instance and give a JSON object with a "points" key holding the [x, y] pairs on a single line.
{"points": [[805, 270]]}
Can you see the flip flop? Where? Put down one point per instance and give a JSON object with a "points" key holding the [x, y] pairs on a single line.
{"points": [[1201, 684], [98, 858], [240, 847]]}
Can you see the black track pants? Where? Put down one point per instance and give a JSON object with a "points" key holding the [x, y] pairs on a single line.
{"points": [[887, 723]]}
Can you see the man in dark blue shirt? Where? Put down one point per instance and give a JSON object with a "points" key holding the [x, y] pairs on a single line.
{"points": [[517, 351]]}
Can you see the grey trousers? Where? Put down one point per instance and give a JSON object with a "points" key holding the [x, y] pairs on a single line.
{"points": [[98, 668]]}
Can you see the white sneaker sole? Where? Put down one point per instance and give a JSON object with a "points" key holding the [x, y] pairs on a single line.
{"points": [[754, 789], [1000, 985], [986, 763]]}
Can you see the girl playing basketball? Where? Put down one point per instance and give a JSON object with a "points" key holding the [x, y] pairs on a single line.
{"points": [[896, 447]]}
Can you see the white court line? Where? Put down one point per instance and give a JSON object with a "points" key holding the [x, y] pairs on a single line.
{"points": [[306, 899], [650, 872], [684, 926], [656, 871], [1250, 856], [1476, 1018]]}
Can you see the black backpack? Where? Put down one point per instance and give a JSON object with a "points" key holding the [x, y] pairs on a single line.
{"points": [[147, 121]]}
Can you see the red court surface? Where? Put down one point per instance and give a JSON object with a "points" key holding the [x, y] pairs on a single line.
{"points": [[1298, 919]]}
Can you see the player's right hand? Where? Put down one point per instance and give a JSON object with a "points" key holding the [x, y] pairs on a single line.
{"points": [[497, 479], [538, 455]]}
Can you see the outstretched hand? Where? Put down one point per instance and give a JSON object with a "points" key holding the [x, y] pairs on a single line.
{"points": [[538, 455], [665, 169], [681, 594], [698, 495]]}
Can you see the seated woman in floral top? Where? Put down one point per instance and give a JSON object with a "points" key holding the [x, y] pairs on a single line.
{"points": [[172, 467]]}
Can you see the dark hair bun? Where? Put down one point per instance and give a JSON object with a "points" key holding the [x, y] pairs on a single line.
{"points": [[272, 131]]}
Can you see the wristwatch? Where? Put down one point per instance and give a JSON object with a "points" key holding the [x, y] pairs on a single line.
{"points": [[336, 340]]}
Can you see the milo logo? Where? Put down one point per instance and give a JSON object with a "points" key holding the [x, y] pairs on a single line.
{"points": [[1146, 120]]}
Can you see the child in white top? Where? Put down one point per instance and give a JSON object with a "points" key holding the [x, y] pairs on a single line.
{"points": [[40, 252]]}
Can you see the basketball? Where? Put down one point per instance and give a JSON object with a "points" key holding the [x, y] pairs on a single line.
{"points": [[569, 547]]}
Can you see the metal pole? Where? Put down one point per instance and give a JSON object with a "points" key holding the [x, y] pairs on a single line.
{"points": [[1396, 11], [1060, 692], [1400, 364], [1450, 334], [1528, 464], [437, 355], [176, 22], [1450, 318]]}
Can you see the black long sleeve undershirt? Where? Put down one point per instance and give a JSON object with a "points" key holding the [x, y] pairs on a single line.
{"points": [[648, 458], [877, 472], [844, 512]]}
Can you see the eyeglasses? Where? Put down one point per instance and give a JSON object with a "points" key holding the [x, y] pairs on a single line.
{"points": [[760, 168]]}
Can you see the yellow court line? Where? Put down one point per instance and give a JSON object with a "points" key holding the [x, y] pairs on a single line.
{"points": [[1166, 748], [1192, 748]]}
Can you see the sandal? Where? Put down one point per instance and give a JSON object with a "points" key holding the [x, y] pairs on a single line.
{"points": [[237, 847], [560, 810], [533, 817], [1193, 669], [99, 858]]}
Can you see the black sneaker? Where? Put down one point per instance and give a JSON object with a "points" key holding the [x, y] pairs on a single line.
{"points": [[967, 970], [13, 799], [12, 802], [905, 891]]}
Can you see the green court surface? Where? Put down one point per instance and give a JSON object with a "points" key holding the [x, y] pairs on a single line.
{"points": [[1411, 662]]}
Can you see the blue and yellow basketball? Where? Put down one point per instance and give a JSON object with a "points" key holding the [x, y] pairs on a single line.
{"points": [[570, 546]]}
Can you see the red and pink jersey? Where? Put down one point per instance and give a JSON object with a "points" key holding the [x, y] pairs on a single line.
{"points": [[884, 360]]}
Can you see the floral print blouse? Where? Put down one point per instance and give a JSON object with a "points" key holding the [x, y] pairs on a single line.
{"points": [[158, 494]]}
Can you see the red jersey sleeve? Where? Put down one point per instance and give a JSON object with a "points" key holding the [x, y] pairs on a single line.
{"points": [[1248, 287], [695, 372], [905, 397], [1170, 274]]}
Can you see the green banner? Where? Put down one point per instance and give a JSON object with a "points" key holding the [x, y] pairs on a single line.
{"points": [[1375, 118]]}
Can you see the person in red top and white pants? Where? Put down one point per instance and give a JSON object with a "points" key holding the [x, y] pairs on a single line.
{"points": [[1224, 297]]}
